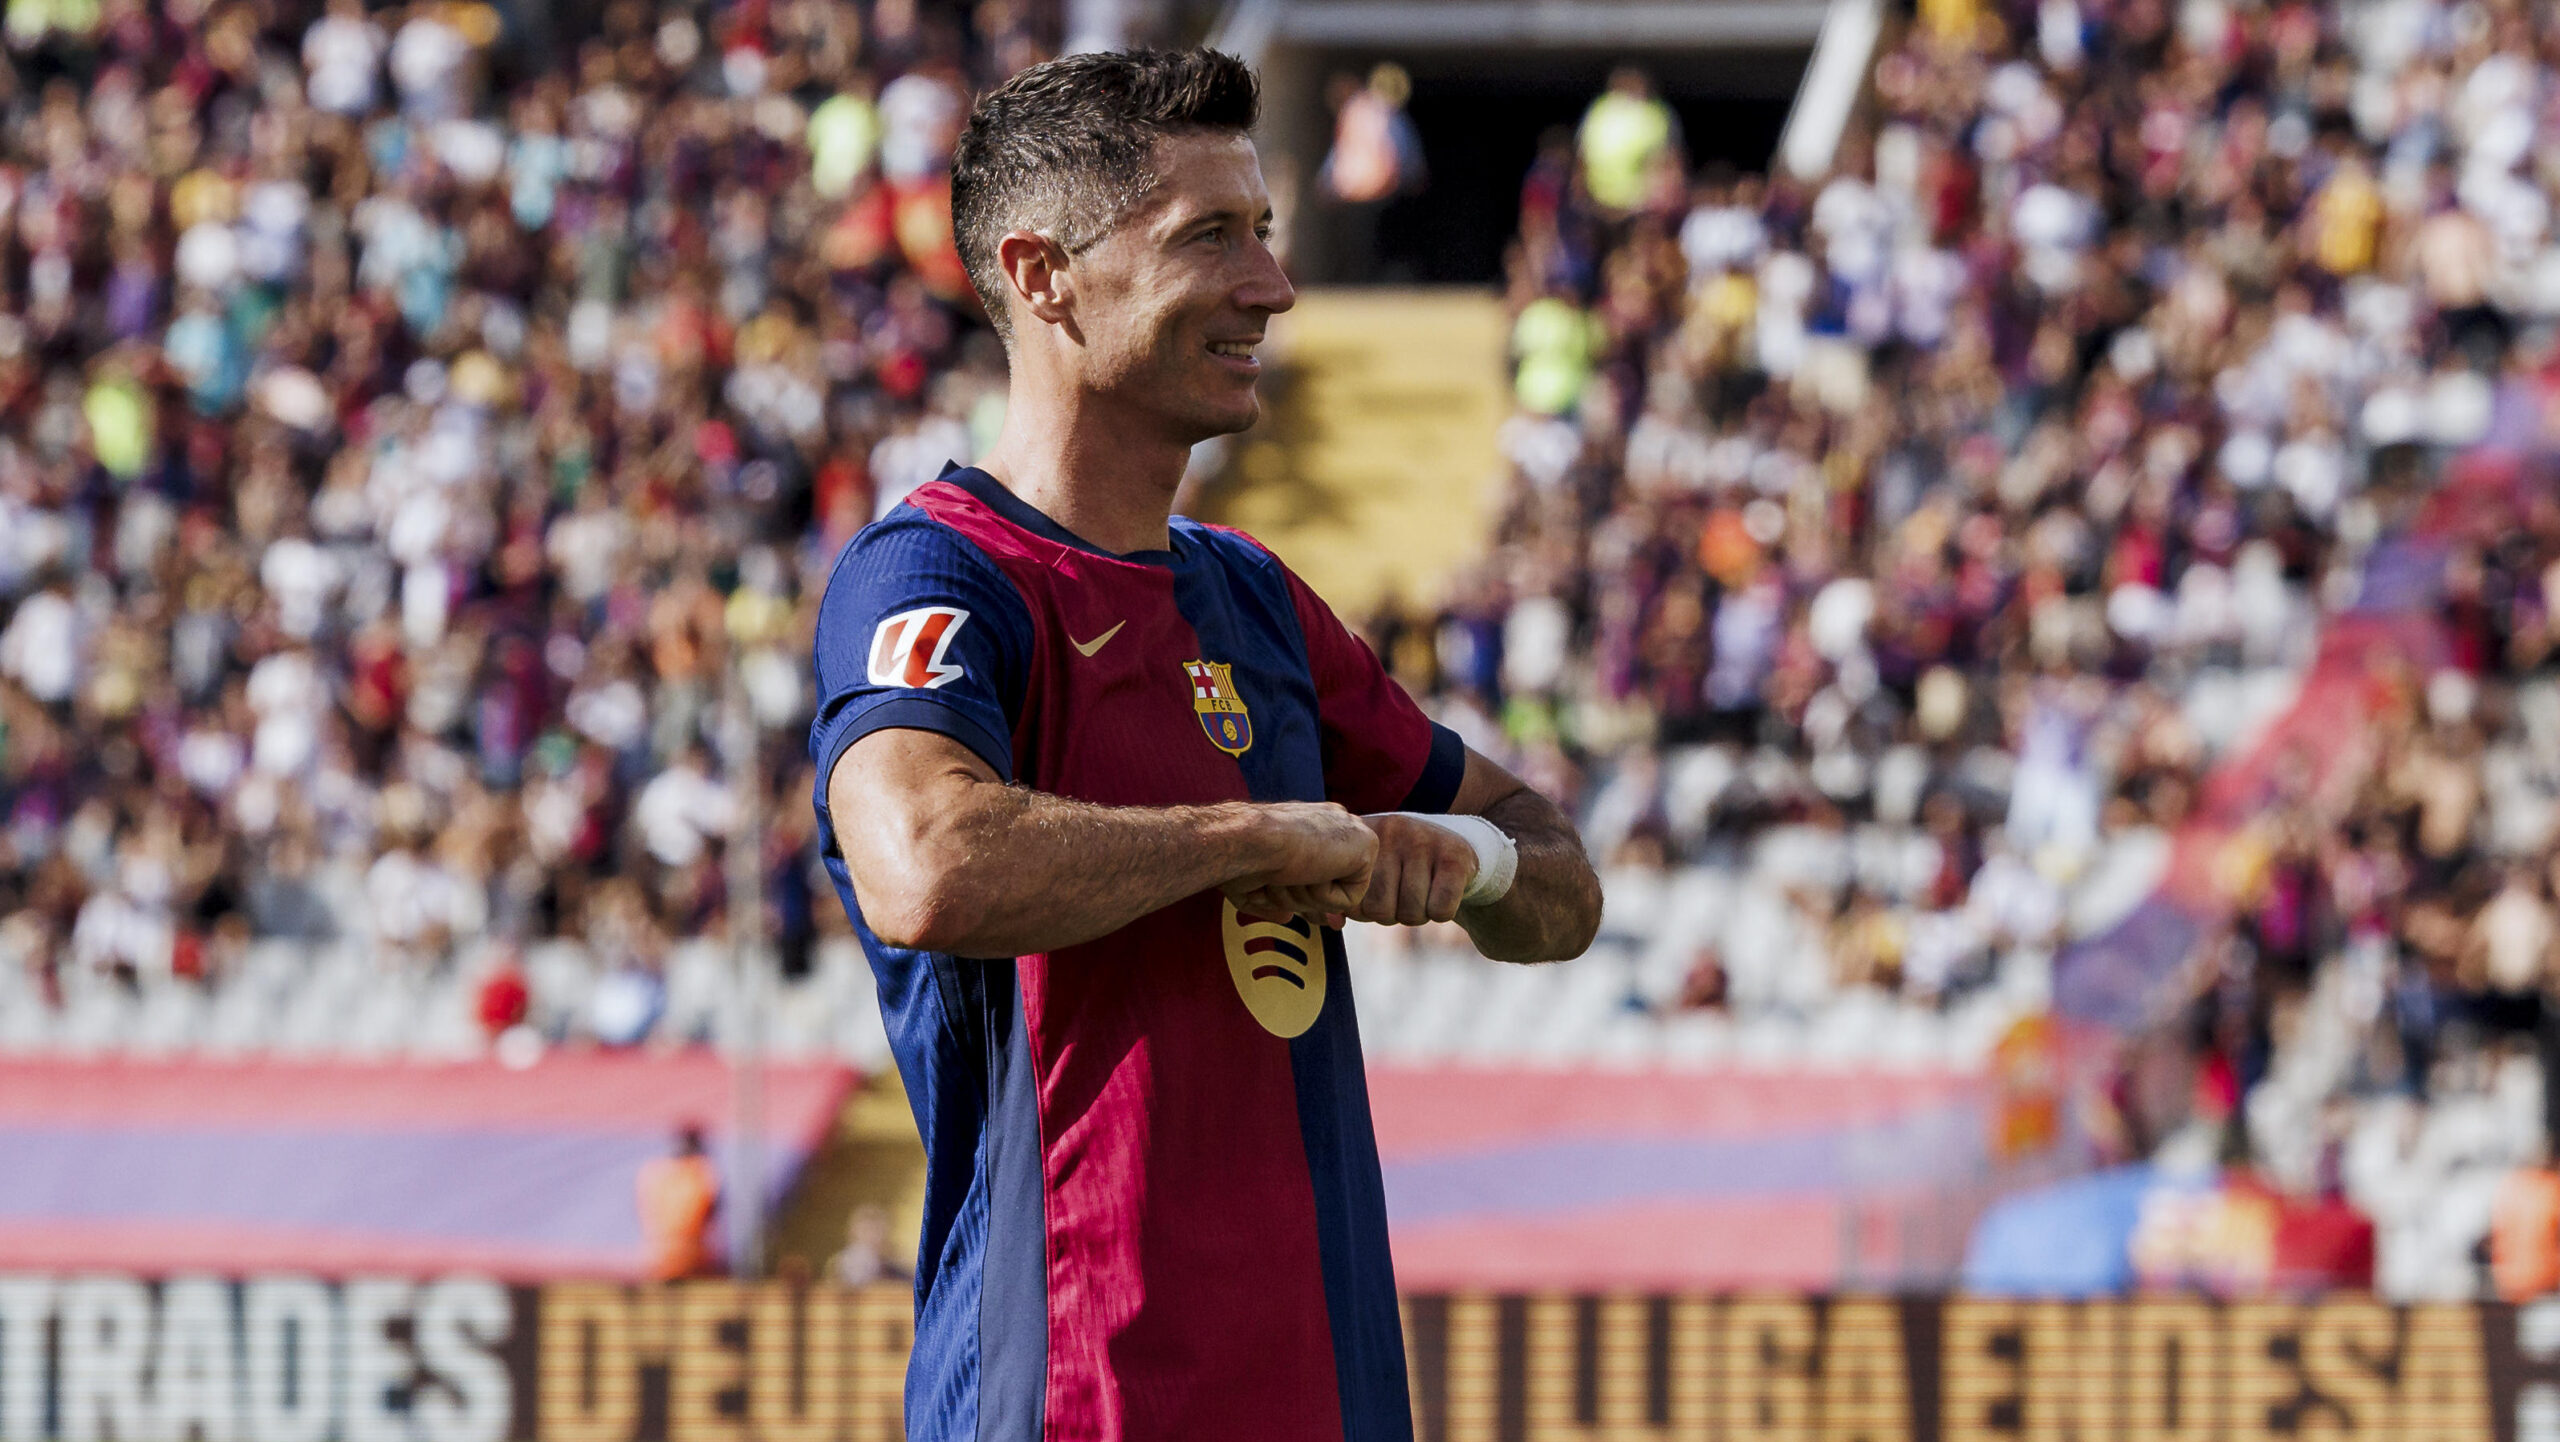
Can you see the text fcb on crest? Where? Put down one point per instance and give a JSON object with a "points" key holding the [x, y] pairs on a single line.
{"points": [[1221, 710]]}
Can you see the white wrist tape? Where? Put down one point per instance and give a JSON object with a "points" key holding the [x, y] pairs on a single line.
{"points": [[1497, 855]]}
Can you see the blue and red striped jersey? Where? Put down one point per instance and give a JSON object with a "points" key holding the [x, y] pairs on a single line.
{"points": [[1153, 1206]]}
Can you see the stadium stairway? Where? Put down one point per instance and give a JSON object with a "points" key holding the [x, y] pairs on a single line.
{"points": [[1374, 467]]}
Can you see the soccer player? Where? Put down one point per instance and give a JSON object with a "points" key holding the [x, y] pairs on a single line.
{"points": [[1099, 783]]}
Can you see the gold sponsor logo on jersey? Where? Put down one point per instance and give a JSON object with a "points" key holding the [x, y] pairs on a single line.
{"points": [[1278, 966]]}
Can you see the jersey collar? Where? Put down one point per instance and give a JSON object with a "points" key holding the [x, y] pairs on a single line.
{"points": [[992, 494]]}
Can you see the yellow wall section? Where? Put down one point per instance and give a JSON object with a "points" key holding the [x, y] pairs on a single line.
{"points": [[1374, 468], [871, 1156]]}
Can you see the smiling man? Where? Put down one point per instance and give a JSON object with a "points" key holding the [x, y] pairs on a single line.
{"points": [[1099, 784]]}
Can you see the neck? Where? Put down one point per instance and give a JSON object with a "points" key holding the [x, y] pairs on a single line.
{"points": [[1107, 477]]}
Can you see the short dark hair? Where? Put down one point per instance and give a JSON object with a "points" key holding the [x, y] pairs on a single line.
{"points": [[1068, 147]]}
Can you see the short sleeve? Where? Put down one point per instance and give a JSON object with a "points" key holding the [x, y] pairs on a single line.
{"points": [[919, 631], [1380, 752]]}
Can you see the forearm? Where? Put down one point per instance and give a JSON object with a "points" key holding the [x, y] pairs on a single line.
{"points": [[1552, 911], [1012, 871], [946, 857]]}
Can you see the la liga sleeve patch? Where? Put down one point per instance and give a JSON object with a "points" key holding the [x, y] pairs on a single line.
{"points": [[909, 648], [918, 630]]}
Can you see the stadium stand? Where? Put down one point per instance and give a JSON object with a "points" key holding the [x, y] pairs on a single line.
{"points": [[1915, 572], [1934, 585], [402, 438]]}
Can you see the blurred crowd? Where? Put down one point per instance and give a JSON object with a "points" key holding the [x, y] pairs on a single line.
{"points": [[407, 418], [1910, 542], [422, 440]]}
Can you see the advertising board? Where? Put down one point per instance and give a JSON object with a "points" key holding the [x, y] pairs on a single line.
{"points": [[466, 1359]]}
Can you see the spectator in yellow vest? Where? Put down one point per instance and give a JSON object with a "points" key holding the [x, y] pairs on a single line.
{"points": [[1556, 341], [1626, 136]]}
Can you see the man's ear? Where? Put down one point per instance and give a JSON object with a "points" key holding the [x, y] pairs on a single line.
{"points": [[1035, 270]]}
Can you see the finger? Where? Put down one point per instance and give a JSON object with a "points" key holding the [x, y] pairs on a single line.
{"points": [[1274, 903], [1414, 887], [1358, 878], [1294, 901], [1334, 919], [1449, 887], [1261, 904], [1377, 900]]}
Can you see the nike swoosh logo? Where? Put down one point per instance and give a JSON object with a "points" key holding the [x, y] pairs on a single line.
{"points": [[1087, 648]]}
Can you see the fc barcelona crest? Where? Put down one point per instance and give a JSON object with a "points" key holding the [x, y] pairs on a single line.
{"points": [[1222, 713]]}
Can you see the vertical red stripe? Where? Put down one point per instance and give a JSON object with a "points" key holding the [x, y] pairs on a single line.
{"points": [[927, 640], [1176, 1174]]}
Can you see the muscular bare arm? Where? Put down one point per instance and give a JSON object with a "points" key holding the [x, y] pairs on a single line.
{"points": [[1551, 912], [947, 857]]}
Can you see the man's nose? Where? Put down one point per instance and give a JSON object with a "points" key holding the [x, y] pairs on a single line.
{"points": [[1266, 286]]}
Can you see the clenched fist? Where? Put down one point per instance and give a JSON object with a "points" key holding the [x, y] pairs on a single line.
{"points": [[1316, 861], [1420, 873]]}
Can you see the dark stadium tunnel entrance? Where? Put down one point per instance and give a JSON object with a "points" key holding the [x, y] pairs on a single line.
{"points": [[1480, 119]]}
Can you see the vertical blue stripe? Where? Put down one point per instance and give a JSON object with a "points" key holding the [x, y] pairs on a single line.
{"points": [[1351, 1215], [1238, 604], [933, 1024], [1013, 1297], [979, 1372]]}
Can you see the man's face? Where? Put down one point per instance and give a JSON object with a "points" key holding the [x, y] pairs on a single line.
{"points": [[1172, 302]]}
